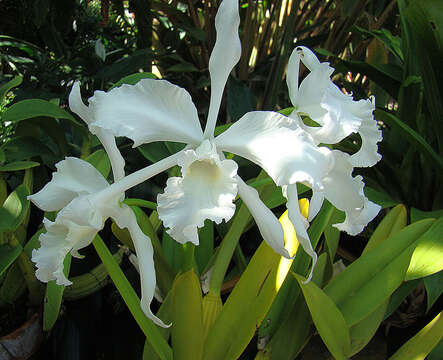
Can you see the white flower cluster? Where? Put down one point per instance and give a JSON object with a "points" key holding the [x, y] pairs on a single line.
{"points": [[155, 110]]}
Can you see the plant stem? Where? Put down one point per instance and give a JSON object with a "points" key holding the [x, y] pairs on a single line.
{"points": [[188, 257]]}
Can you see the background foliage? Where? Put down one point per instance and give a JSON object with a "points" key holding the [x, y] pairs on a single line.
{"points": [[389, 49]]}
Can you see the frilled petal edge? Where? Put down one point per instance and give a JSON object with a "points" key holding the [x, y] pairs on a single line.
{"points": [[61, 237], [206, 190], [73, 177]]}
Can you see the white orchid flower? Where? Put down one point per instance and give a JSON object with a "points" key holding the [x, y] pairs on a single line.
{"points": [[156, 110], [336, 113], [85, 200]]}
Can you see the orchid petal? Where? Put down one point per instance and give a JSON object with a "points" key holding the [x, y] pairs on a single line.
{"points": [[346, 194], [337, 113], [73, 177], [62, 236], [145, 260], [277, 144], [268, 224], [224, 57], [300, 223], [368, 154], [206, 190], [106, 138], [151, 110]]}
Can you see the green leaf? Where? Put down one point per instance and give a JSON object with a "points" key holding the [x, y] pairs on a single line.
{"points": [[8, 86], [205, 250], [393, 43], [399, 295], [100, 160], [417, 214], [24, 147], [434, 287], [327, 318], [187, 330], [27, 109], [392, 223], [427, 258], [19, 165], [421, 344], [141, 203], [8, 255], [437, 352], [362, 332], [380, 198], [371, 279], [246, 306], [413, 137], [133, 79], [132, 301], [53, 298], [154, 151], [14, 209]]}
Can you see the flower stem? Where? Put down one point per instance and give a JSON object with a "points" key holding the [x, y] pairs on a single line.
{"points": [[188, 258]]}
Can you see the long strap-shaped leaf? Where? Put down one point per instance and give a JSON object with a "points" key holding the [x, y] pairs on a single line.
{"points": [[132, 301], [421, 344]]}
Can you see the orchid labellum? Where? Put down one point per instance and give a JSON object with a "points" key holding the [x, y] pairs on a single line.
{"points": [[287, 149]]}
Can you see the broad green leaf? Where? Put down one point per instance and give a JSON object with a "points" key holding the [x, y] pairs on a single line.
{"points": [[14, 209], [421, 344], [19, 165], [412, 136], [370, 280], [134, 79], [154, 151], [8, 255], [100, 160], [427, 258], [187, 329], [132, 301], [27, 109], [434, 287], [248, 303], [295, 324], [327, 318], [53, 298], [362, 332], [8, 86], [24, 147], [392, 223], [290, 289]]}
